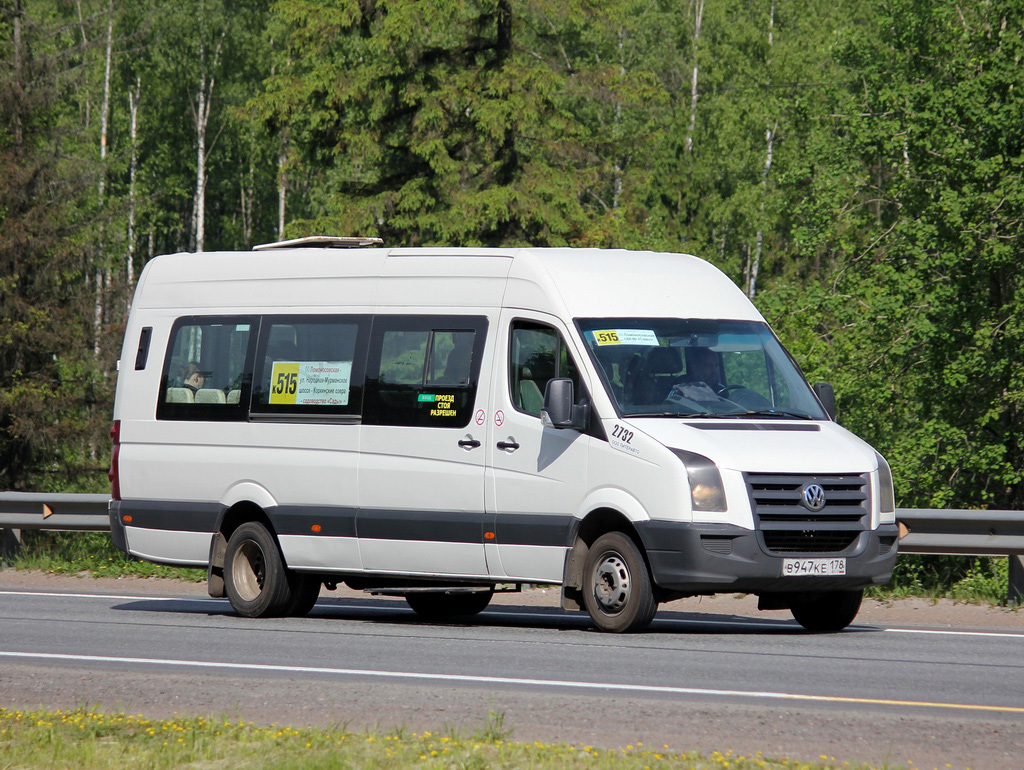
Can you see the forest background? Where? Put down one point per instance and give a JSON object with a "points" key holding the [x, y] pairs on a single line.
{"points": [[854, 165]]}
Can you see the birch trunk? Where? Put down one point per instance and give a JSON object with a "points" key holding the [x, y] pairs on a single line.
{"points": [[134, 97], [698, 20], [770, 133], [282, 188], [199, 205], [102, 266], [618, 166], [247, 193], [201, 120], [19, 135]]}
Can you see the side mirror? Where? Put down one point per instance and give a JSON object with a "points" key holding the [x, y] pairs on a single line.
{"points": [[558, 398], [827, 396], [560, 410]]}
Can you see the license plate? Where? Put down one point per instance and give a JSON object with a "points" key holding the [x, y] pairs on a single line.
{"points": [[813, 567]]}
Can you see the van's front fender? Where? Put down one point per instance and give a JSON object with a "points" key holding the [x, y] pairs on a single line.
{"points": [[613, 498]]}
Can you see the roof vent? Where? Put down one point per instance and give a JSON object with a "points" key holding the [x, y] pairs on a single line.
{"points": [[323, 241]]}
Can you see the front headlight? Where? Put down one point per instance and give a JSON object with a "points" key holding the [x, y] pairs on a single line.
{"points": [[886, 493], [707, 492]]}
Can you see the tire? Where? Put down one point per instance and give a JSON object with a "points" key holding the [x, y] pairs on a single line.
{"points": [[617, 590], [305, 592], [440, 606], [255, 578], [827, 612]]}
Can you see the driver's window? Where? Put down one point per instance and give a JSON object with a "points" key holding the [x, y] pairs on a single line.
{"points": [[537, 354]]}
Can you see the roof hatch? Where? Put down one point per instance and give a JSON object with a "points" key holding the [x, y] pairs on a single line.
{"points": [[323, 241]]}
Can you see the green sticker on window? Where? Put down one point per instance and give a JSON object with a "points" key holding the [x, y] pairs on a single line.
{"points": [[426, 398]]}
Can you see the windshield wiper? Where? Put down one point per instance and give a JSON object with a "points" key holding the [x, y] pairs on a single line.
{"points": [[777, 413], [682, 415]]}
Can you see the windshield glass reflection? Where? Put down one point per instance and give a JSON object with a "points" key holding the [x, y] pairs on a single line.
{"points": [[697, 368]]}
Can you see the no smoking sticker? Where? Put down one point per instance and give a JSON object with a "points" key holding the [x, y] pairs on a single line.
{"points": [[480, 417], [499, 418]]}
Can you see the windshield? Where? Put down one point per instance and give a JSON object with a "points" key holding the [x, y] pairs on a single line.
{"points": [[697, 368]]}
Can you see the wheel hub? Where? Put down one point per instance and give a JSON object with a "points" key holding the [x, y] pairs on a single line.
{"points": [[249, 571], [611, 583]]}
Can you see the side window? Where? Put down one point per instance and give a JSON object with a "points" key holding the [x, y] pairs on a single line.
{"points": [[537, 354], [310, 365], [423, 370], [207, 371]]}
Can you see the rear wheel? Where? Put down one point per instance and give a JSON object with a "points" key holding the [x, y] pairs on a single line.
{"points": [[305, 592], [255, 578], [435, 605], [617, 590], [828, 611]]}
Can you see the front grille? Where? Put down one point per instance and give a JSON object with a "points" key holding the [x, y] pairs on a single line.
{"points": [[789, 526], [808, 541]]}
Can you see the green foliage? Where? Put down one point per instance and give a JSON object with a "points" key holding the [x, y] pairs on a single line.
{"points": [[75, 553], [54, 400], [856, 167], [969, 579]]}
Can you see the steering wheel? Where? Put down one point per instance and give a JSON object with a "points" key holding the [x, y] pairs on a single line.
{"points": [[729, 388]]}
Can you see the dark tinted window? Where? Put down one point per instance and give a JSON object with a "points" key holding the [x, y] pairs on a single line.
{"points": [[423, 370]]}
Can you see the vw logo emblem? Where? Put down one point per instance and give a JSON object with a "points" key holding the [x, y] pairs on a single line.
{"points": [[813, 497]]}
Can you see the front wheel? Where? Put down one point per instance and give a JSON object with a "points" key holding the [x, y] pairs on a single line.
{"points": [[828, 611], [255, 578], [617, 590], [436, 605]]}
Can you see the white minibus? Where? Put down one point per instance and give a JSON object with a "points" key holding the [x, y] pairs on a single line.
{"points": [[438, 423]]}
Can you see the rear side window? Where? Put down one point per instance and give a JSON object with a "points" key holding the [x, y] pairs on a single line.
{"points": [[310, 365], [423, 370], [206, 369]]}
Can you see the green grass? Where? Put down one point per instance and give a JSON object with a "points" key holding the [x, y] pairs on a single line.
{"points": [[974, 579], [92, 553], [90, 739]]}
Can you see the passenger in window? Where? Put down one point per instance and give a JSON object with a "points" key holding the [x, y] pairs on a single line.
{"points": [[194, 377]]}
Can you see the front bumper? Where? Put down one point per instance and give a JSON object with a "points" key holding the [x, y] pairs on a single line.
{"points": [[720, 558]]}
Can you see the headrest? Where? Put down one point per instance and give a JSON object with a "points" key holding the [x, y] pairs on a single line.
{"points": [[664, 361]]}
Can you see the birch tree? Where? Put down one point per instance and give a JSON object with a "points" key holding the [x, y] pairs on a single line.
{"points": [[209, 62], [698, 23]]}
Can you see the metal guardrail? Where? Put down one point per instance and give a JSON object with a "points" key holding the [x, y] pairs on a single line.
{"points": [[956, 532], [932, 530], [58, 512], [962, 532], [41, 510]]}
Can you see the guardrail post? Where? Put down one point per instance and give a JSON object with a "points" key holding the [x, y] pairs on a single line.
{"points": [[10, 544], [1015, 590]]}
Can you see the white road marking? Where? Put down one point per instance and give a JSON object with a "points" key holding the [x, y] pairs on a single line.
{"points": [[502, 680]]}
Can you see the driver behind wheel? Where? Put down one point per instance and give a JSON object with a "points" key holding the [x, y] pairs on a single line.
{"points": [[703, 375]]}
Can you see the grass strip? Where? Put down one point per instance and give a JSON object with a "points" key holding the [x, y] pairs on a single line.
{"points": [[91, 739]]}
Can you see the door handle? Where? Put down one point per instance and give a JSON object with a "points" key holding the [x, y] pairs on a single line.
{"points": [[510, 444], [469, 443]]}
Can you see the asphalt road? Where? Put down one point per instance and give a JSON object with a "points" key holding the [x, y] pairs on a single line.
{"points": [[696, 681]]}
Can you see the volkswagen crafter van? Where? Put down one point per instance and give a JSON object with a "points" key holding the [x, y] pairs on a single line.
{"points": [[438, 422]]}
